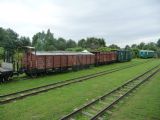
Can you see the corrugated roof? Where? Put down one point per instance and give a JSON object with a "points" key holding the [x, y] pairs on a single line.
{"points": [[61, 53]]}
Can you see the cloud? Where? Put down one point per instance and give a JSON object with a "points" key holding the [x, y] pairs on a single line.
{"points": [[119, 22]]}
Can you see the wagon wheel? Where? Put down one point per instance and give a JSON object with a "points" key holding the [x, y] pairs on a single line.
{"points": [[6, 78], [33, 75], [1, 79]]}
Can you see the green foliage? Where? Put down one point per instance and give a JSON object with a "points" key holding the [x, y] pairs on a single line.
{"points": [[141, 45], [95, 43], [158, 43], [24, 41], [113, 46], [103, 49], [10, 42], [92, 43], [82, 43], [61, 44], [49, 42], [135, 52], [127, 47], [46, 42], [39, 40], [71, 44], [1, 52], [76, 49], [151, 46], [133, 46]]}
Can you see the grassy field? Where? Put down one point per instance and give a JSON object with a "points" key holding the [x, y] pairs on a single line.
{"points": [[143, 105], [30, 83], [56, 103]]}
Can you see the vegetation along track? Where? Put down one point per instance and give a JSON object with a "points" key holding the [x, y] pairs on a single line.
{"points": [[34, 91], [95, 109]]}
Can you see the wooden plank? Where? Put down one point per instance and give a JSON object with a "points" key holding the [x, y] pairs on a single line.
{"points": [[87, 114]]}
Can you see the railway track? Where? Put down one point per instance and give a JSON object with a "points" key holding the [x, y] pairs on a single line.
{"points": [[34, 91], [95, 109]]}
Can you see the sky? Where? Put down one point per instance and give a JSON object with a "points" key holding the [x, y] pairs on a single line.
{"points": [[119, 22]]}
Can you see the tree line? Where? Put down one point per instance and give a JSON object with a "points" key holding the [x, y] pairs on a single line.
{"points": [[45, 41]]}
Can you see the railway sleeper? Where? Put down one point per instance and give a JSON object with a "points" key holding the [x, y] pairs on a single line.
{"points": [[87, 114], [92, 111], [100, 118], [95, 108], [102, 102]]}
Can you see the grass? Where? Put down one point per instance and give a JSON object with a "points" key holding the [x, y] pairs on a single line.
{"points": [[36, 82], [143, 105], [54, 104]]}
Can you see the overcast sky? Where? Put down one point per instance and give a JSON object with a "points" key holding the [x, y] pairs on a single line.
{"points": [[119, 22]]}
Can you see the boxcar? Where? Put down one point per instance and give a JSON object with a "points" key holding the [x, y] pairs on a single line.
{"points": [[146, 54]]}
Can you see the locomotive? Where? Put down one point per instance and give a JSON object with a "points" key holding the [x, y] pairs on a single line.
{"points": [[35, 63]]}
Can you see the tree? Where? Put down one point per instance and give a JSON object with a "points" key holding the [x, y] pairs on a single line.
{"points": [[49, 41], [61, 44], [24, 41], [158, 43], [141, 45], [95, 43], [82, 43], [38, 40], [127, 47], [3, 35], [134, 46], [1, 52], [150, 46], [71, 44], [113, 46], [135, 52]]}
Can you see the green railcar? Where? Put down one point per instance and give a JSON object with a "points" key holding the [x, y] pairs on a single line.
{"points": [[124, 55], [146, 54]]}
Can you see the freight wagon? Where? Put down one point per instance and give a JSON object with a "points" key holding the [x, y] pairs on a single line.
{"points": [[146, 54], [124, 55], [35, 63], [6, 71], [102, 58]]}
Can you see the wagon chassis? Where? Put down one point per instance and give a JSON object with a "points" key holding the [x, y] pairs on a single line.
{"points": [[34, 91], [93, 111]]}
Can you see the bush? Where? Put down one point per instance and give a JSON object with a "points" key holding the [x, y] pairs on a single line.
{"points": [[1, 53], [76, 49]]}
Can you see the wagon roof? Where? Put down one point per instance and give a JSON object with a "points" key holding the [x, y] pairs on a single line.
{"points": [[146, 51], [4, 70], [61, 53]]}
